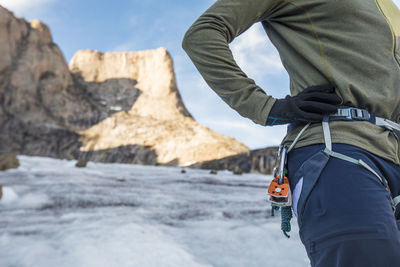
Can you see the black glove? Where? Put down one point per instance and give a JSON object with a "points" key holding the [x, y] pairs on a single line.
{"points": [[310, 105]]}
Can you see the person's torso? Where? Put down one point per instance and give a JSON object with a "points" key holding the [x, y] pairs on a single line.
{"points": [[354, 44]]}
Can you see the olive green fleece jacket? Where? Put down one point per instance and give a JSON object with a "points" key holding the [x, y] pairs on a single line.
{"points": [[353, 44]]}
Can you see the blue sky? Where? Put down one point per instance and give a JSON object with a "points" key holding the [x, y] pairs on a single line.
{"points": [[131, 25]]}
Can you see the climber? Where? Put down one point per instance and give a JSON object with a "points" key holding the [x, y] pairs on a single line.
{"points": [[343, 59]]}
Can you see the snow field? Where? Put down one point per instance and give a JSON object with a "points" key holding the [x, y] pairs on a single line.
{"points": [[54, 214]]}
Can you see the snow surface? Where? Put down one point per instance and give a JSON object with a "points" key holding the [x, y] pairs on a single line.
{"points": [[54, 214]]}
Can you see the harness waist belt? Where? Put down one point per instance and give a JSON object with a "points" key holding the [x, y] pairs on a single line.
{"points": [[356, 114]]}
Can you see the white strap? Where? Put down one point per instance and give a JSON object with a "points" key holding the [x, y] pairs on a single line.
{"points": [[341, 156], [328, 150], [396, 201], [355, 161], [387, 124], [327, 133], [298, 136], [365, 165]]}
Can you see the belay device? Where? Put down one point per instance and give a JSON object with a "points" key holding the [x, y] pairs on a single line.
{"points": [[279, 189], [279, 192]]}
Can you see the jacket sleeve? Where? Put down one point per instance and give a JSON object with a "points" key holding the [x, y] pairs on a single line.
{"points": [[207, 44]]}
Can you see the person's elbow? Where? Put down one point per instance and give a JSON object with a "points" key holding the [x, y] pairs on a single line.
{"points": [[188, 39], [197, 35], [199, 38]]}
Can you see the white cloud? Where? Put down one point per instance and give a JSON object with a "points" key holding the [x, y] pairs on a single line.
{"points": [[397, 2], [21, 6], [255, 54]]}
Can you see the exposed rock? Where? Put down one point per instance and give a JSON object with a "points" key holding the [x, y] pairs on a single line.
{"points": [[8, 162], [259, 160], [237, 170], [157, 119], [81, 164], [109, 107], [41, 109]]}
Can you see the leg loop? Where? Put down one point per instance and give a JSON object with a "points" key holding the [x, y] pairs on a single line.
{"points": [[328, 151]]}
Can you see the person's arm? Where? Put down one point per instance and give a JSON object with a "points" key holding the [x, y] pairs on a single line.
{"points": [[206, 43]]}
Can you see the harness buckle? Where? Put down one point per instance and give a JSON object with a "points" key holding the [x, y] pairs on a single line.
{"points": [[353, 114]]}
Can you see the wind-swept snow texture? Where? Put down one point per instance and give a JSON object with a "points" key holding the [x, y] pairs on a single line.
{"points": [[106, 215]]}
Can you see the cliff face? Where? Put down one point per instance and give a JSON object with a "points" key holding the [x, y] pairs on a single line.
{"points": [[149, 73], [110, 107], [156, 117]]}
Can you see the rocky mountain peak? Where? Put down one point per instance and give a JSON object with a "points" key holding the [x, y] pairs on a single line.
{"points": [[151, 72], [109, 107]]}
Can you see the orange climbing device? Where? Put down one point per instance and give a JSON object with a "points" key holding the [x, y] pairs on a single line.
{"points": [[280, 194], [279, 189]]}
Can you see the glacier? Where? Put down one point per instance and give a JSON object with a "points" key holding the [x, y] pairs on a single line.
{"points": [[54, 214]]}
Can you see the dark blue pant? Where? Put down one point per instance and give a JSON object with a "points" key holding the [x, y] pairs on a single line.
{"points": [[344, 212]]}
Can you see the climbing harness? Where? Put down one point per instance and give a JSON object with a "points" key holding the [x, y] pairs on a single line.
{"points": [[279, 189], [329, 152], [356, 114]]}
